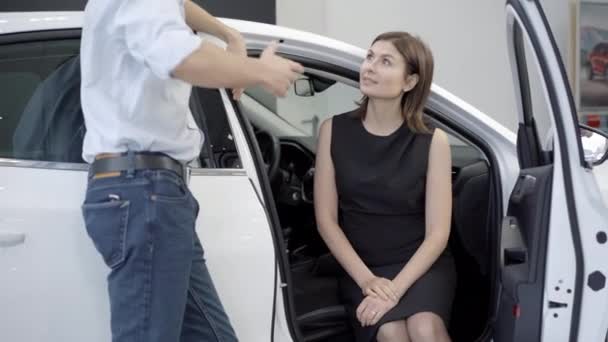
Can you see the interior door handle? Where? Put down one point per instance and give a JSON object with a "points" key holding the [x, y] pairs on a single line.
{"points": [[11, 239], [525, 185], [515, 256]]}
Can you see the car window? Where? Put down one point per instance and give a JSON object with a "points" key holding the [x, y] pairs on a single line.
{"points": [[305, 110], [41, 116], [538, 106], [38, 89]]}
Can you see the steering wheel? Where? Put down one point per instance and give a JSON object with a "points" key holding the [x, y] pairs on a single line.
{"points": [[270, 147]]}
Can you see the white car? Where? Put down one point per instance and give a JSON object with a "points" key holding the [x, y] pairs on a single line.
{"points": [[530, 221]]}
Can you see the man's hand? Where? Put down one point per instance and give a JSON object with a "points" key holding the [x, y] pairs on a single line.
{"points": [[382, 288], [236, 45], [280, 72], [372, 309]]}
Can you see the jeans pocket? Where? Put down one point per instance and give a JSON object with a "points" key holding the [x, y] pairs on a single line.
{"points": [[169, 189], [106, 224]]}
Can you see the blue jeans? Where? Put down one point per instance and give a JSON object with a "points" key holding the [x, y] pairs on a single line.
{"points": [[143, 225]]}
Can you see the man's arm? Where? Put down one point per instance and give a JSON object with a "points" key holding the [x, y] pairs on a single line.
{"points": [[212, 67], [201, 21], [162, 40]]}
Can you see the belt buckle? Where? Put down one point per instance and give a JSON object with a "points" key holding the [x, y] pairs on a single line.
{"points": [[187, 172]]}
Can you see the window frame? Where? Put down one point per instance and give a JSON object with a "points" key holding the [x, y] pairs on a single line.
{"points": [[34, 37], [75, 34]]}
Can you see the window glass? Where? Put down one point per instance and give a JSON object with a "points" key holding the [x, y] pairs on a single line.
{"points": [[41, 116]]}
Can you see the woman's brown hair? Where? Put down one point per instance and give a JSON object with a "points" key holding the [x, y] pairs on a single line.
{"points": [[418, 61]]}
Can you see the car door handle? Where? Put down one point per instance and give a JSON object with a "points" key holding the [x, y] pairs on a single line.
{"points": [[515, 256], [11, 239], [525, 185]]}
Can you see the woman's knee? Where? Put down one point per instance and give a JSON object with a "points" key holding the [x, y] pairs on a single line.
{"points": [[426, 326], [392, 331]]}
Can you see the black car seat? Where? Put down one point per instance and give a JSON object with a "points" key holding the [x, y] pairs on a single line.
{"points": [[51, 127], [470, 246], [16, 88], [321, 316]]}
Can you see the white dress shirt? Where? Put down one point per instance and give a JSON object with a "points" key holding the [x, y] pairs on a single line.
{"points": [[129, 99]]}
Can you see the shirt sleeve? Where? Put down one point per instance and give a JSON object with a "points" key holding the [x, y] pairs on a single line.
{"points": [[156, 33]]}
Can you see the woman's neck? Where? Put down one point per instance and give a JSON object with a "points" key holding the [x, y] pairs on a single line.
{"points": [[383, 115]]}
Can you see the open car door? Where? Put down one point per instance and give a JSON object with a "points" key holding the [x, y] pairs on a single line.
{"points": [[553, 253]]}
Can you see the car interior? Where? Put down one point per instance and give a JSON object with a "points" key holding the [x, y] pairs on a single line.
{"points": [[289, 159], [314, 271]]}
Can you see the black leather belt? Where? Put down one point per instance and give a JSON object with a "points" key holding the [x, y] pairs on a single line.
{"points": [[137, 161]]}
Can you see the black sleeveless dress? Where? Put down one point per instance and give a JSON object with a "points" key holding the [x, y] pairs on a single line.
{"points": [[380, 182]]}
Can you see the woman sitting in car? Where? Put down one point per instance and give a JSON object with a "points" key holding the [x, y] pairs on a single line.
{"points": [[383, 199]]}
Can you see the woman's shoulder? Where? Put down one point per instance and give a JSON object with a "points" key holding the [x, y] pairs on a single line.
{"points": [[347, 116], [342, 120], [329, 124]]}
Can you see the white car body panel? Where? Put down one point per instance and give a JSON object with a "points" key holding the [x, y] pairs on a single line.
{"points": [[560, 265], [14, 22], [57, 266], [592, 218], [600, 173], [591, 211]]}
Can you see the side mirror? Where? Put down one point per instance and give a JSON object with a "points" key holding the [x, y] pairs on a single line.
{"points": [[304, 87], [595, 144]]}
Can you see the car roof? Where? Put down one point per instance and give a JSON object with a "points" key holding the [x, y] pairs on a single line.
{"points": [[16, 22]]}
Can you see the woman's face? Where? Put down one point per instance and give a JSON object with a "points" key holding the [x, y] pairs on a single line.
{"points": [[382, 73]]}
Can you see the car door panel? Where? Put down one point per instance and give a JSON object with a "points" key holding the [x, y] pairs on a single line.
{"points": [[54, 282], [570, 309], [523, 247], [233, 229]]}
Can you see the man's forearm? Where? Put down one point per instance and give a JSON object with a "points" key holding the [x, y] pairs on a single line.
{"points": [[212, 67], [201, 21]]}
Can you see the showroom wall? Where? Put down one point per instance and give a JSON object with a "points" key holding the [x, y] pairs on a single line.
{"points": [[258, 10], [468, 38]]}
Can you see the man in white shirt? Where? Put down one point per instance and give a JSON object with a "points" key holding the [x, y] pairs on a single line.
{"points": [[139, 60]]}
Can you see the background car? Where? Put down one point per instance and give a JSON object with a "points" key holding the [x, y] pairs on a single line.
{"points": [[598, 60]]}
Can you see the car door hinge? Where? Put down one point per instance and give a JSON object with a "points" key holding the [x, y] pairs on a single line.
{"points": [[557, 305]]}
